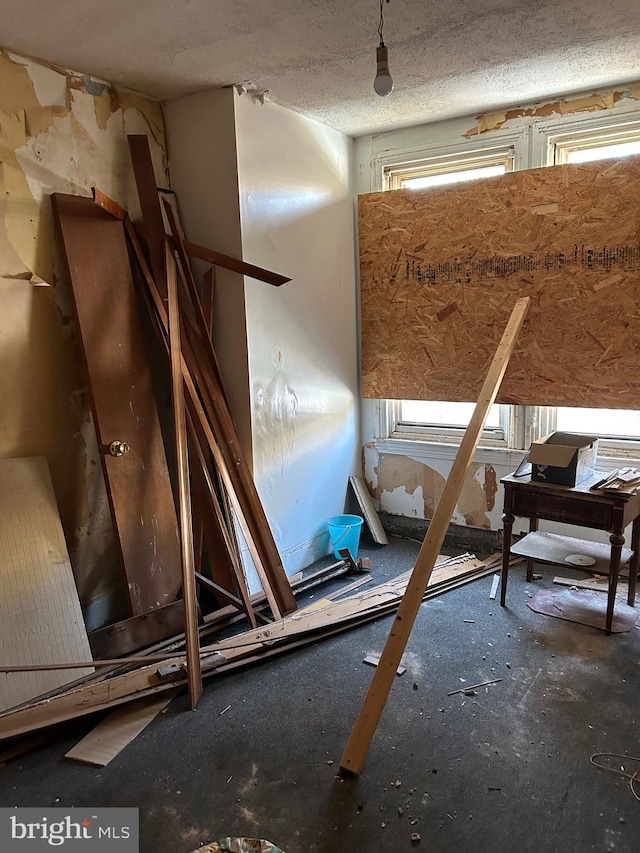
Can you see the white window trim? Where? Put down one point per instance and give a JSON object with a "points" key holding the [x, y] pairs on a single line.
{"points": [[517, 140]]}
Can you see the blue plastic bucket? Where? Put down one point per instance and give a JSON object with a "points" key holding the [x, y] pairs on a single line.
{"points": [[344, 532]]}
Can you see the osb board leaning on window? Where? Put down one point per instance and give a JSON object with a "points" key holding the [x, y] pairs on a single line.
{"points": [[441, 270]]}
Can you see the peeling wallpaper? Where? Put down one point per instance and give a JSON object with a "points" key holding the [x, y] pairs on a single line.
{"points": [[59, 132]]}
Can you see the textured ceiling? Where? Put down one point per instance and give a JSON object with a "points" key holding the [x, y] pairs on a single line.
{"points": [[447, 57]]}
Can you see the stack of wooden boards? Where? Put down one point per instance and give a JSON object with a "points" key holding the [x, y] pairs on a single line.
{"points": [[166, 663]]}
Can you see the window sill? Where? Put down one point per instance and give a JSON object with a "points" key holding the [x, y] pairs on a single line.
{"points": [[610, 457]]}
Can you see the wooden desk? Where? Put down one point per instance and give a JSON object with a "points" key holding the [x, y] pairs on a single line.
{"points": [[609, 511]]}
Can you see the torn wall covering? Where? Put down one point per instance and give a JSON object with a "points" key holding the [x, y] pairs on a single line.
{"points": [[409, 487], [59, 132]]}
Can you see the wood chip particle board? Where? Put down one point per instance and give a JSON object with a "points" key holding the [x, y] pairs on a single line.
{"points": [[440, 268], [40, 616]]}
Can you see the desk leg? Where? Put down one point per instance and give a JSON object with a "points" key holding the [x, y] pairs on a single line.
{"points": [[533, 526], [634, 562], [617, 541], [507, 521]]}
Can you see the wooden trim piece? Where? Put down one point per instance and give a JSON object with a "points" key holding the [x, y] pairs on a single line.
{"points": [[233, 264], [375, 700], [108, 204], [137, 632], [257, 644], [150, 206], [368, 510], [194, 673]]}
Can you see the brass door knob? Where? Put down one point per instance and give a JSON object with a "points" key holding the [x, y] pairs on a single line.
{"points": [[118, 448]]}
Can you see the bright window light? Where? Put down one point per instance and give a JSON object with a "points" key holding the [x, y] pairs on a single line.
{"points": [[453, 177], [600, 422], [603, 152], [444, 414]]}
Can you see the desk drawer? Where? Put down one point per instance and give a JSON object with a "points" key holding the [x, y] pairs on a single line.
{"points": [[562, 508]]}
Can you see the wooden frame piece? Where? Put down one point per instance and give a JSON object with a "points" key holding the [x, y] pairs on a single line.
{"points": [[150, 205], [233, 264], [194, 672], [356, 749]]}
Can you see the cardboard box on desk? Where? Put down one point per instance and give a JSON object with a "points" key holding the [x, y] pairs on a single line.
{"points": [[564, 458]]}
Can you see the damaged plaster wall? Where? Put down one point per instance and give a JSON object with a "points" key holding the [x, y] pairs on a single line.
{"points": [[59, 132], [297, 219], [406, 482]]}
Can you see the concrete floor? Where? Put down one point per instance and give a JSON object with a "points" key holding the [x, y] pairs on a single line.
{"points": [[505, 770]]}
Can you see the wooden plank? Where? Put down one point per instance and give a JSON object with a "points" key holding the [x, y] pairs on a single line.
{"points": [[554, 548], [194, 673], [375, 700], [150, 206], [137, 632], [591, 583], [368, 510], [440, 267], [108, 204], [233, 264], [40, 616], [116, 732], [122, 399], [208, 292]]}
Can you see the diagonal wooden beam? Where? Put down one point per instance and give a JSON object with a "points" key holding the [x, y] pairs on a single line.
{"points": [[233, 264], [380, 687]]}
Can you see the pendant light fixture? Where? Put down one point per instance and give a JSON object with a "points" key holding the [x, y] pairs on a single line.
{"points": [[383, 84]]}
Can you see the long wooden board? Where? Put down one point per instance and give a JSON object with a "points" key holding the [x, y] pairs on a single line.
{"points": [[356, 749], [194, 674], [123, 404], [368, 510], [439, 269], [40, 616]]}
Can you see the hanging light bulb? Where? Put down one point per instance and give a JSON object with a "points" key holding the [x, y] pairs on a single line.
{"points": [[383, 84]]}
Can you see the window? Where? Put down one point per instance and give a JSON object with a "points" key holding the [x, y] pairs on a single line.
{"points": [[449, 169], [583, 146], [438, 420], [617, 428], [569, 141]]}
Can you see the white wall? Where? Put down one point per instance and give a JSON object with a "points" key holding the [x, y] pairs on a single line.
{"points": [[296, 218]]}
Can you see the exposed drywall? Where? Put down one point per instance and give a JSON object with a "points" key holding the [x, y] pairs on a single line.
{"points": [[406, 486], [59, 132], [564, 106]]}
